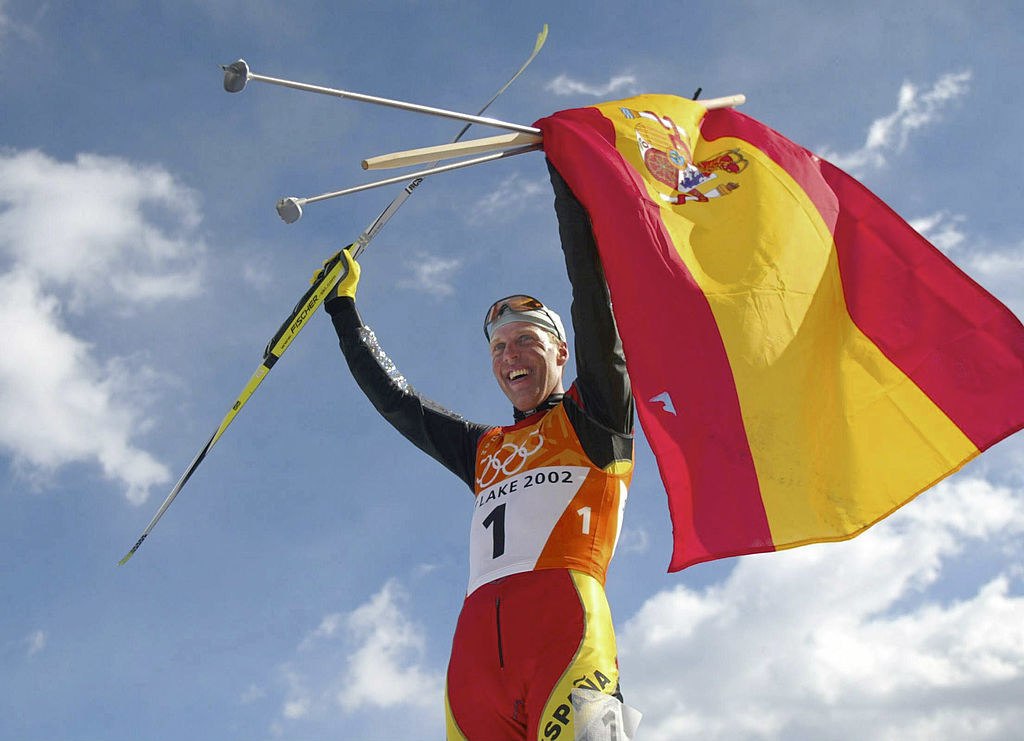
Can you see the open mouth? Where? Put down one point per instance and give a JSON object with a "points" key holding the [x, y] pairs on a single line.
{"points": [[516, 374]]}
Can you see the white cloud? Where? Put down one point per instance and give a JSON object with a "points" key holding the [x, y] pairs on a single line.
{"points": [[35, 642], [915, 110], [60, 404], [941, 229], [565, 85], [366, 659], [1000, 270], [259, 276], [633, 540], [431, 274], [509, 199], [23, 31], [299, 700], [253, 693], [383, 668], [96, 234], [327, 628], [837, 641], [295, 709], [422, 569], [99, 229], [1000, 263]]}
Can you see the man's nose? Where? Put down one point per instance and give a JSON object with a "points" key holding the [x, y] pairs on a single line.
{"points": [[509, 353]]}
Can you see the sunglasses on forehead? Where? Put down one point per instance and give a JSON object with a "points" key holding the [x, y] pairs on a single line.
{"points": [[517, 304]]}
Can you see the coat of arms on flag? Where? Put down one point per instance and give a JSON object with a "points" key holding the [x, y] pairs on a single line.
{"points": [[666, 153]]}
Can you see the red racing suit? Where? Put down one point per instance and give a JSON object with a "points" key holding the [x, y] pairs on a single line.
{"points": [[549, 493]]}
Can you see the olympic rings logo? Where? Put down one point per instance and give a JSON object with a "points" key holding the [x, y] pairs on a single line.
{"points": [[511, 463]]}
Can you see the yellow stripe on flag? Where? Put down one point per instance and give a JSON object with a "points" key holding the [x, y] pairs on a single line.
{"points": [[840, 437]]}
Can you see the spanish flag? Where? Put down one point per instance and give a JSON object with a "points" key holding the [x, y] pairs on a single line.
{"points": [[804, 363]]}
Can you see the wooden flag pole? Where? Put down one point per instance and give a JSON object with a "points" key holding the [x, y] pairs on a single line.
{"points": [[447, 151], [728, 101], [491, 143]]}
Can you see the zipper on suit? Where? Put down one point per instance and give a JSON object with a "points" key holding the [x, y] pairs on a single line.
{"points": [[497, 621]]}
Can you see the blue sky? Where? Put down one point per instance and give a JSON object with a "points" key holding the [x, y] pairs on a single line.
{"points": [[305, 584]]}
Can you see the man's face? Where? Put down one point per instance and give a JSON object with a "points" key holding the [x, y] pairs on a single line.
{"points": [[527, 362]]}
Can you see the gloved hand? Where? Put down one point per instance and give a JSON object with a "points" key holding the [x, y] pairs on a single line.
{"points": [[349, 276]]}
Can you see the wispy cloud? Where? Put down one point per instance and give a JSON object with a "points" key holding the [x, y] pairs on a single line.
{"points": [[24, 31], [1000, 269], [299, 701], [565, 85], [369, 658], [1001, 272], [423, 569], [253, 693], [431, 274], [943, 229], [257, 275], [510, 198], [633, 540], [915, 110], [327, 629], [35, 642], [835, 641], [95, 234]]}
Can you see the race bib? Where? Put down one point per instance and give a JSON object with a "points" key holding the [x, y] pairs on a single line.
{"points": [[514, 517]]}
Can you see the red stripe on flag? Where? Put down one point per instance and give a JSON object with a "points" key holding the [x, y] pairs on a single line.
{"points": [[672, 345], [958, 343]]}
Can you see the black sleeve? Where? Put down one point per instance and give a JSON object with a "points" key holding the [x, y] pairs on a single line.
{"points": [[438, 432], [602, 382]]}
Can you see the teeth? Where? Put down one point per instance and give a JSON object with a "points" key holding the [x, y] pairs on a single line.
{"points": [[517, 374]]}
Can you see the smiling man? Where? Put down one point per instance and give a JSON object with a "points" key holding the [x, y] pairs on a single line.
{"points": [[528, 350], [534, 647]]}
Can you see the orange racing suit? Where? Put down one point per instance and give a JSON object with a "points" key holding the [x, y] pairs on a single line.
{"points": [[549, 493]]}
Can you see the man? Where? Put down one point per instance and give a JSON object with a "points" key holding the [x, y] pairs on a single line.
{"points": [[549, 494]]}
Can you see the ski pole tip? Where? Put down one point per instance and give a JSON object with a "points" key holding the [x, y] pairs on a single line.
{"points": [[236, 75], [131, 553], [290, 209]]}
